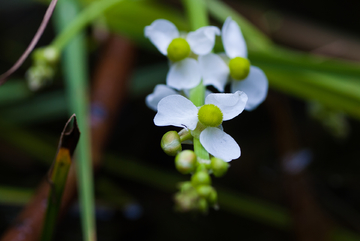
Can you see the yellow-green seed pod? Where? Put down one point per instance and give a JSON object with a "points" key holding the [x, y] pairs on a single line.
{"points": [[178, 49], [201, 178], [170, 143], [218, 166], [210, 115], [239, 68], [185, 162]]}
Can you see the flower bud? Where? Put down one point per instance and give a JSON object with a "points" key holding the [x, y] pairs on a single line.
{"points": [[185, 162], [201, 178], [204, 191], [239, 68], [185, 186], [48, 55], [212, 198], [39, 75], [218, 166], [170, 143]]}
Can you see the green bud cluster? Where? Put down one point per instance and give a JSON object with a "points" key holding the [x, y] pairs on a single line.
{"points": [[43, 69], [197, 199], [198, 193]]}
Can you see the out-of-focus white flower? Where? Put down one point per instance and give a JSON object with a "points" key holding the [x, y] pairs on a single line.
{"points": [[216, 68], [161, 91], [176, 110], [184, 72]]}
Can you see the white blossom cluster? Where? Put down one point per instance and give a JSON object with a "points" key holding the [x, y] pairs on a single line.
{"points": [[192, 62]]}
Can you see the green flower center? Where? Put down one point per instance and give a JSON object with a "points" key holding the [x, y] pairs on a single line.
{"points": [[239, 68], [178, 49], [210, 115]]}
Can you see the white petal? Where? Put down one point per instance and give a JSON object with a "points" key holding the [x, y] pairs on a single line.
{"points": [[233, 40], [202, 40], [184, 74], [219, 144], [214, 71], [176, 110], [161, 32], [160, 91], [255, 86], [231, 105]]}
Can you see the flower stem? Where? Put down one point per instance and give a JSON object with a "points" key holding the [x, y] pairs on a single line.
{"points": [[200, 150], [197, 13], [198, 17], [197, 95]]}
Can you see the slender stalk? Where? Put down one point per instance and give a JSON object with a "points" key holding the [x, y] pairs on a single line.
{"points": [[75, 70], [197, 13], [200, 150], [198, 17], [197, 95]]}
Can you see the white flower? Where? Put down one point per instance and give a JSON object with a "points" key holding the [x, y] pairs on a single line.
{"points": [[176, 110], [217, 68], [184, 72], [161, 91]]}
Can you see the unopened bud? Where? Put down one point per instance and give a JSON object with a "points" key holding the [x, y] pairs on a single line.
{"points": [[48, 55], [218, 166], [204, 191], [201, 178], [39, 75], [170, 143], [185, 162], [185, 186], [212, 198]]}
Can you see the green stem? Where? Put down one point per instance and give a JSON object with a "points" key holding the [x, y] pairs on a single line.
{"points": [[198, 17], [197, 95], [75, 71], [200, 150], [197, 13], [81, 21]]}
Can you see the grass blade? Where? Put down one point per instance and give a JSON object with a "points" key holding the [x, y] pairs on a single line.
{"points": [[61, 166], [75, 72]]}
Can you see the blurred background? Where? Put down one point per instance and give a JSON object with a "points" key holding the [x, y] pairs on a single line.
{"points": [[298, 175]]}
